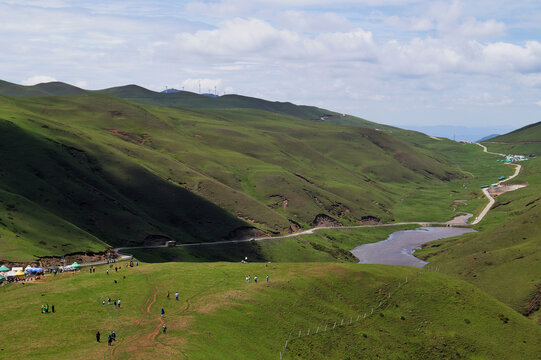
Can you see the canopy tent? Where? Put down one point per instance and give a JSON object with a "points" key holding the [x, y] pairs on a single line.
{"points": [[53, 268], [75, 265], [19, 273], [4, 268]]}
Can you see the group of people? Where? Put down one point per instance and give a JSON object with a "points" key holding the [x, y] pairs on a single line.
{"points": [[116, 303], [248, 278], [92, 269], [110, 338], [45, 309], [176, 296]]}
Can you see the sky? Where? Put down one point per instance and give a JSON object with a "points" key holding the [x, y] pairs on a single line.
{"points": [[406, 63]]}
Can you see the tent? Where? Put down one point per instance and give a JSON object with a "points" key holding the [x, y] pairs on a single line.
{"points": [[4, 268], [75, 265], [53, 268], [19, 273]]}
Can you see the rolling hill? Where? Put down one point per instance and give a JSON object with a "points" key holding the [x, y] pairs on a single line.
{"points": [[503, 259], [105, 171]]}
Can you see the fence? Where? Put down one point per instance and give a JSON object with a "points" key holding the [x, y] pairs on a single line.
{"points": [[323, 328]]}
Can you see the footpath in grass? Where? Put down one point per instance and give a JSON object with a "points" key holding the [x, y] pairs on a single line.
{"points": [[220, 315]]}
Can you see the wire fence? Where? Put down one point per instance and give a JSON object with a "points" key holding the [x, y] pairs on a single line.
{"points": [[342, 322]]}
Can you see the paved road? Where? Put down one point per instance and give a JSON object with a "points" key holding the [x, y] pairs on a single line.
{"points": [[125, 256]]}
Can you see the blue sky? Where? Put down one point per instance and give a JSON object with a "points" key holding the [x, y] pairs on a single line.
{"points": [[399, 62]]}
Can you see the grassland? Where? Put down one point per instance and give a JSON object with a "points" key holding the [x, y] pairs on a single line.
{"points": [[503, 259], [219, 315], [122, 173]]}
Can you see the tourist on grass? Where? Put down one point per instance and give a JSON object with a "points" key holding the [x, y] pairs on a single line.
{"points": [[267, 278], [52, 307], [98, 335], [118, 302], [255, 278], [176, 296], [164, 328], [167, 295], [163, 312], [103, 302]]}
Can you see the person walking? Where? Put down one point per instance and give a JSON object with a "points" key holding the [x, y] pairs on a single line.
{"points": [[176, 296], [167, 295], [109, 301], [52, 308], [255, 279], [109, 340], [98, 335], [164, 328], [118, 303], [103, 302], [163, 312], [267, 278], [107, 271]]}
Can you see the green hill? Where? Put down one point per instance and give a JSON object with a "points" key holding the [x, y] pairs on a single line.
{"points": [[525, 140], [503, 259], [219, 315], [104, 170], [55, 88]]}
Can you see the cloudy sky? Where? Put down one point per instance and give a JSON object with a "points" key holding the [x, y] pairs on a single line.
{"points": [[399, 62]]}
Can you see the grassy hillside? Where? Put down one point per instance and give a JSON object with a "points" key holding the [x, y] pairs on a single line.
{"points": [[525, 140], [55, 88], [219, 315], [503, 259], [127, 173]]}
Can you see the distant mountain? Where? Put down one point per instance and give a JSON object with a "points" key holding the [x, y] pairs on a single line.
{"points": [[488, 137], [170, 91], [458, 133], [55, 88], [190, 100]]}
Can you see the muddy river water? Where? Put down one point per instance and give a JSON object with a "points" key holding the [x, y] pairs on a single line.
{"points": [[398, 248]]}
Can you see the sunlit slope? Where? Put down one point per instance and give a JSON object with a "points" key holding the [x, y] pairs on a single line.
{"points": [[219, 315], [525, 141], [123, 172], [502, 259], [45, 89]]}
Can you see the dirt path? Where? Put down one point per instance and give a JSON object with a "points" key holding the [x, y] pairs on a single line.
{"points": [[491, 200]]}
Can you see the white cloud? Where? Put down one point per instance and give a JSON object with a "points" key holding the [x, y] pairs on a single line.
{"points": [[538, 103], [81, 84], [38, 79], [303, 21], [484, 99]]}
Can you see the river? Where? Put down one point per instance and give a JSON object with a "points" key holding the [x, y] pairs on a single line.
{"points": [[398, 248]]}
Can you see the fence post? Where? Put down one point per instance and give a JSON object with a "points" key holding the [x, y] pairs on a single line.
{"points": [[325, 328], [334, 325], [342, 323], [285, 346], [358, 316], [300, 333], [308, 332], [364, 316], [317, 330]]}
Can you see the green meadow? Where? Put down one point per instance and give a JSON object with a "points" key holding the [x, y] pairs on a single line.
{"points": [[219, 315]]}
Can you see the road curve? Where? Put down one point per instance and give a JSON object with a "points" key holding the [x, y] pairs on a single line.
{"points": [[122, 256], [491, 200]]}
